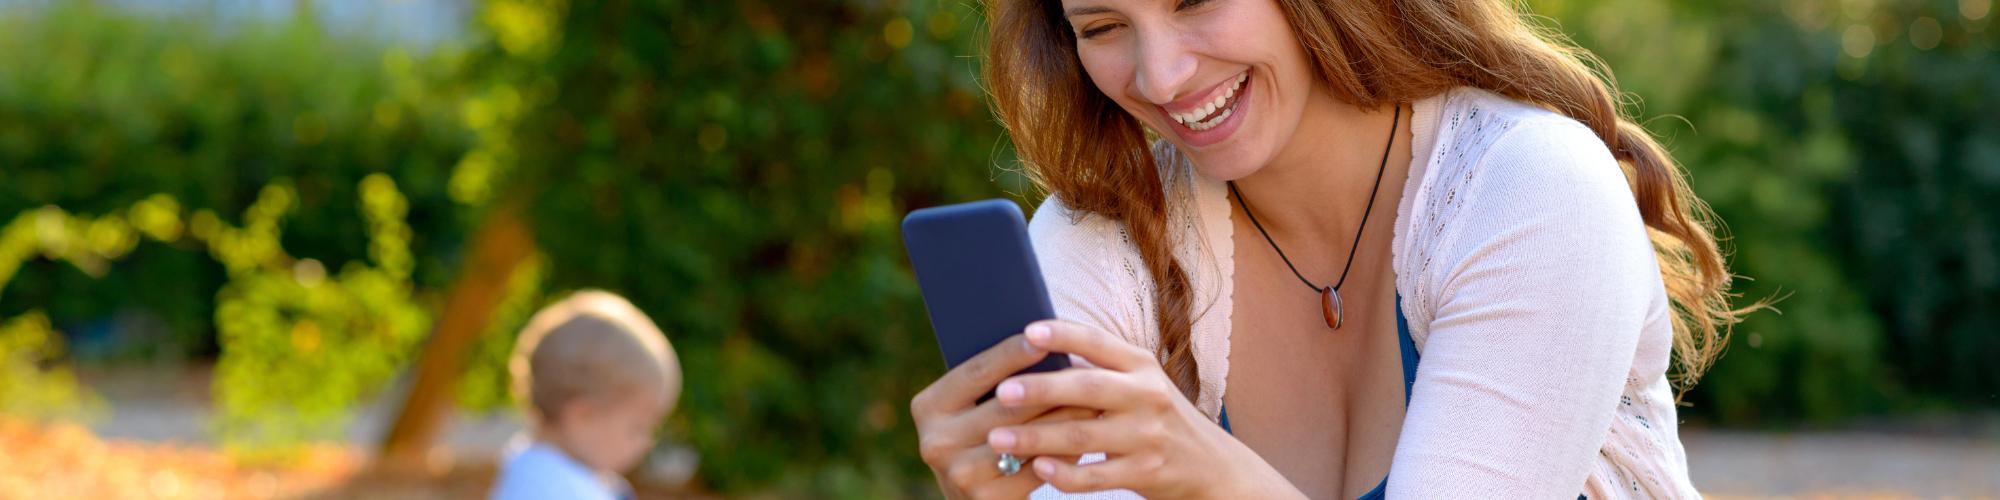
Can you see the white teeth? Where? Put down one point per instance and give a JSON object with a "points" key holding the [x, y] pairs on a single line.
{"points": [[1193, 118], [1212, 122], [1219, 118]]}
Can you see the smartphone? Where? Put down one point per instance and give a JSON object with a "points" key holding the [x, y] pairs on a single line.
{"points": [[980, 280]]}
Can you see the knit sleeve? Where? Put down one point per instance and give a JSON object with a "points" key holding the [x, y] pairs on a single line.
{"points": [[1543, 283], [1088, 264]]}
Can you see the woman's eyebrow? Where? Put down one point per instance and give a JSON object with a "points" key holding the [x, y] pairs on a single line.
{"points": [[1086, 10]]}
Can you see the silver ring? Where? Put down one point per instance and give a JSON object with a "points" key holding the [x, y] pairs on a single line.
{"points": [[1009, 465]]}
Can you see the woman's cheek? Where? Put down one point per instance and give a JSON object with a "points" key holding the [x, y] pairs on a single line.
{"points": [[1105, 72]]}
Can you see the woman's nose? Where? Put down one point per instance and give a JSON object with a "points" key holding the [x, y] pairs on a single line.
{"points": [[1164, 66]]}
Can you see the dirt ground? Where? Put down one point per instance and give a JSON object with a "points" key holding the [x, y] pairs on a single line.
{"points": [[65, 460], [1858, 463], [153, 444]]}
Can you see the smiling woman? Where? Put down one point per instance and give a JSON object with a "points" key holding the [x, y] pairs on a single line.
{"points": [[1508, 334]]}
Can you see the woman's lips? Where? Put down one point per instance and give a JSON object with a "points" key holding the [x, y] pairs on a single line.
{"points": [[1215, 119], [1207, 115]]}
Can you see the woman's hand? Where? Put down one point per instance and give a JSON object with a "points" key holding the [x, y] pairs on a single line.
{"points": [[1156, 443], [951, 429]]}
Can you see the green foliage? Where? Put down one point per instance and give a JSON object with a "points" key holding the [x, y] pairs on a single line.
{"points": [[739, 170], [31, 383], [100, 109], [1919, 221], [34, 380], [1849, 147], [181, 121], [300, 347]]}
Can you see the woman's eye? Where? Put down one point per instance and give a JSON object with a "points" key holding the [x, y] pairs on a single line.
{"points": [[1092, 32], [1186, 4]]}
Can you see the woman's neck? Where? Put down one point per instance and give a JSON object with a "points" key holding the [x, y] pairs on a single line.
{"points": [[1316, 188]]}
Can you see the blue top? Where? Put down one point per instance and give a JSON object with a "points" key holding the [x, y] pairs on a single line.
{"points": [[1410, 359], [538, 470]]}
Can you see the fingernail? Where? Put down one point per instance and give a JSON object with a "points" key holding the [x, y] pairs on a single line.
{"points": [[1045, 468], [1010, 392], [1000, 439], [1038, 332], [1028, 346]]}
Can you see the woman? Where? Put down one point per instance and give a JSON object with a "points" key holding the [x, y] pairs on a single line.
{"points": [[1401, 246]]}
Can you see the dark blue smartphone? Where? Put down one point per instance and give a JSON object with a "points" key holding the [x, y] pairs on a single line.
{"points": [[979, 277]]}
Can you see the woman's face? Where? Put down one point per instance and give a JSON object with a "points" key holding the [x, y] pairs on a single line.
{"points": [[1225, 80]]}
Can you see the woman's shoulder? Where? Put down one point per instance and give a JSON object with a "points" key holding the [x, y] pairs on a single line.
{"points": [[1077, 247], [1509, 181], [1061, 229], [1476, 123], [1092, 270], [1494, 146], [1057, 229], [1065, 233]]}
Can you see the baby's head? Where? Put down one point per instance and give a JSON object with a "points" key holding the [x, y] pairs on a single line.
{"points": [[596, 376]]}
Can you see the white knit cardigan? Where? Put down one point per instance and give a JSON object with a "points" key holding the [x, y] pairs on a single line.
{"points": [[1531, 289]]}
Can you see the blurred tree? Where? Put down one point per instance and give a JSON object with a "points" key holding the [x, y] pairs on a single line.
{"points": [[1919, 220], [502, 246]]}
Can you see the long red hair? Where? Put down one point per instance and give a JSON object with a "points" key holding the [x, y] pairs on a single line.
{"points": [[1079, 146]]}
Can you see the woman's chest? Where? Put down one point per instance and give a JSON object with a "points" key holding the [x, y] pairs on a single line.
{"points": [[1323, 406]]}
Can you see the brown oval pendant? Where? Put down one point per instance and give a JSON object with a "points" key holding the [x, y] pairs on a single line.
{"points": [[1329, 303]]}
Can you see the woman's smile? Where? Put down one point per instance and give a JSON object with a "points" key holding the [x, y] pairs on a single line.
{"points": [[1210, 117]]}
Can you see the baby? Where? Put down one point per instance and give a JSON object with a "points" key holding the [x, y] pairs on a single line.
{"points": [[595, 376]]}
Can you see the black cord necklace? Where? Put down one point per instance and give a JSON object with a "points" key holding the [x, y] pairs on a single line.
{"points": [[1329, 296]]}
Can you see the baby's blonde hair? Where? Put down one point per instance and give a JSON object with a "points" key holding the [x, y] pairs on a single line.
{"points": [[592, 343]]}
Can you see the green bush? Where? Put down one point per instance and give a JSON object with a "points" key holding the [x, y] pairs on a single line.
{"points": [[302, 346], [170, 127], [1849, 147], [101, 109]]}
